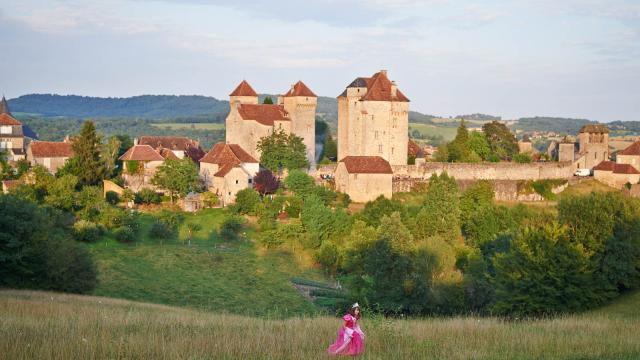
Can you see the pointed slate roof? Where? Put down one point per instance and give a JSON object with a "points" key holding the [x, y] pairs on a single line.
{"points": [[244, 89], [265, 114], [299, 89], [4, 107]]}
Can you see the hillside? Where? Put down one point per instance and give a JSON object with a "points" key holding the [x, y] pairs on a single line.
{"points": [[50, 325]]}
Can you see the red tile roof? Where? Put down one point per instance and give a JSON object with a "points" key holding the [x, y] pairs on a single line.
{"points": [[7, 119], [10, 184], [50, 149], [625, 169], [366, 165], [141, 153], [224, 170], [223, 154], [299, 89], [168, 142], [168, 154], [605, 166], [244, 89], [265, 114], [633, 149], [379, 88]]}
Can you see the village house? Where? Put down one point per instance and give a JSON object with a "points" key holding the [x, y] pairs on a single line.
{"points": [[50, 154], [373, 120], [249, 121], [524, 145], [180, 146], [364, 178], [140, 164], [623, 171], [7, 185], [11, 133], [227, 169], [592, 147]]}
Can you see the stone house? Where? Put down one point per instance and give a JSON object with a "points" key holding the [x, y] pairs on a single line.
{"points": [[139, 165], [364, 178], [615, 174], [11, 134], [227, 169], [592, 147], [630, 155], [373, 120], [50, 154], [180, 146], [524, 145], [248, 121]]}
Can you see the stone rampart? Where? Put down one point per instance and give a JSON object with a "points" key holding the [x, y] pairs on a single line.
{"points": [[487, 171]]}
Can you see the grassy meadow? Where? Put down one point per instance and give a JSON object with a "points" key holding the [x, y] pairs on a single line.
{"points": [[210, 274], [37, 325], [447, 132]]}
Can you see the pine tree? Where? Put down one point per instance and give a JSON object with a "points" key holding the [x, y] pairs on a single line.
{"points": [[86, 148], [268, 100]]}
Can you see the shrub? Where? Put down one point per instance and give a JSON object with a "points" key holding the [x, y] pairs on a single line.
{"points": [[300, 183], [230, 227], [269, 239], [246, 201], [87, 231], [112, 197], [160, 230], [170, 219], [124, 234], [147, 196], [265, 182], [293, 205], [522, 158], [327, 255]]}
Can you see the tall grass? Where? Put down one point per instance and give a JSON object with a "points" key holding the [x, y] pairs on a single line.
{"points": [[39, 325]]}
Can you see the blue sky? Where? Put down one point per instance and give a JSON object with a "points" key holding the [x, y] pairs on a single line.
{"points": [[573, 58]]}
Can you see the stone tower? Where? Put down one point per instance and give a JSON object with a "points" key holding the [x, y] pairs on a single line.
{"points": [[593, 146], [243, 94], [300, 103], [373, 120]]}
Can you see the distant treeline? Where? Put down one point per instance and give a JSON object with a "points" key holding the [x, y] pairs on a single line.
{"points": [[555, 124], [478, 116]]}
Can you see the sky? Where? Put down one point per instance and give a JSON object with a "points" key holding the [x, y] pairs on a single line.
{"points": [[516, 58]]}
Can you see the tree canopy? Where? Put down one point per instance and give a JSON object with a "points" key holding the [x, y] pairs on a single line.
{"points": [[282, 151]]}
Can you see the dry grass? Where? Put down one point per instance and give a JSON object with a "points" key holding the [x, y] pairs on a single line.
{"points": [[38, 325]]}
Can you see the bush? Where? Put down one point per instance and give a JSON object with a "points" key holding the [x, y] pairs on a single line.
{"points": [[300, 183], [170, 219], [160, 230], [87, 231], [246, 201], [230, 227], [269, 239], [124, 234], [293, 205], [112, 197], [522, 158], [147, 196]]}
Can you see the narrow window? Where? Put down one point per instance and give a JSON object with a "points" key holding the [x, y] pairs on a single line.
{"points": [[237, 182], [380, 148], [391, 151], [376, 135], [250, 180]]}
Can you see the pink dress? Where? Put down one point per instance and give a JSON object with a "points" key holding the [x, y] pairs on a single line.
{"points": [[350, 340]]}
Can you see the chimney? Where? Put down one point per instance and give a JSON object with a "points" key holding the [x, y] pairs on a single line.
{"points": [[135, 141], [394, 88]]}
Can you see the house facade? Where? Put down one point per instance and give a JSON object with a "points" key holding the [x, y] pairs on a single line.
{"points": [[50, 154], [140, 164], [373, 120], [11, 134], [364, 178], [227, 169], [180, 146]]}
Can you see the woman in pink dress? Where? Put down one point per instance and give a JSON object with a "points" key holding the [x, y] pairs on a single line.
{"points": [[350, 340]]}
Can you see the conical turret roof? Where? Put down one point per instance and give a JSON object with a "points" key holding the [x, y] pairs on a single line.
{"points": [[244, 89]]}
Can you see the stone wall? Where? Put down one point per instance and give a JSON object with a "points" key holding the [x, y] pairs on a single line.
{"points": [[487, 171], [111, 186]]}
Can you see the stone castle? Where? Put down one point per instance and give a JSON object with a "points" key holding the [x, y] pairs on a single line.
{"points": [[373, 120], [249, 121]]}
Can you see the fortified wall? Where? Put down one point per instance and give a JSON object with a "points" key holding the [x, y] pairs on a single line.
{"points": [[487, 171]]}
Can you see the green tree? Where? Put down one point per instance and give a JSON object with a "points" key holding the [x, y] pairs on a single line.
{"points": [[61, 193], [178, 177], [440, 214], [192, 228], [300, 183], [86, 150], [246, 201], [110, 152], [479, 145], [543, 273], [458, 149], [374, 211], [268, 100], [281, 150], [330, 148], [502, 142]]}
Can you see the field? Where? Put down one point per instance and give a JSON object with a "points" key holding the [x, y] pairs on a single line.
{"points": [[37, 325], [447, 133], [209, 274], [193, 126]]}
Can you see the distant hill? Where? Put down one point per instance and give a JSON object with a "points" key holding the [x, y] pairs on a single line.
{"points": [[144, 106], [555, 124], [480, 117]]}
